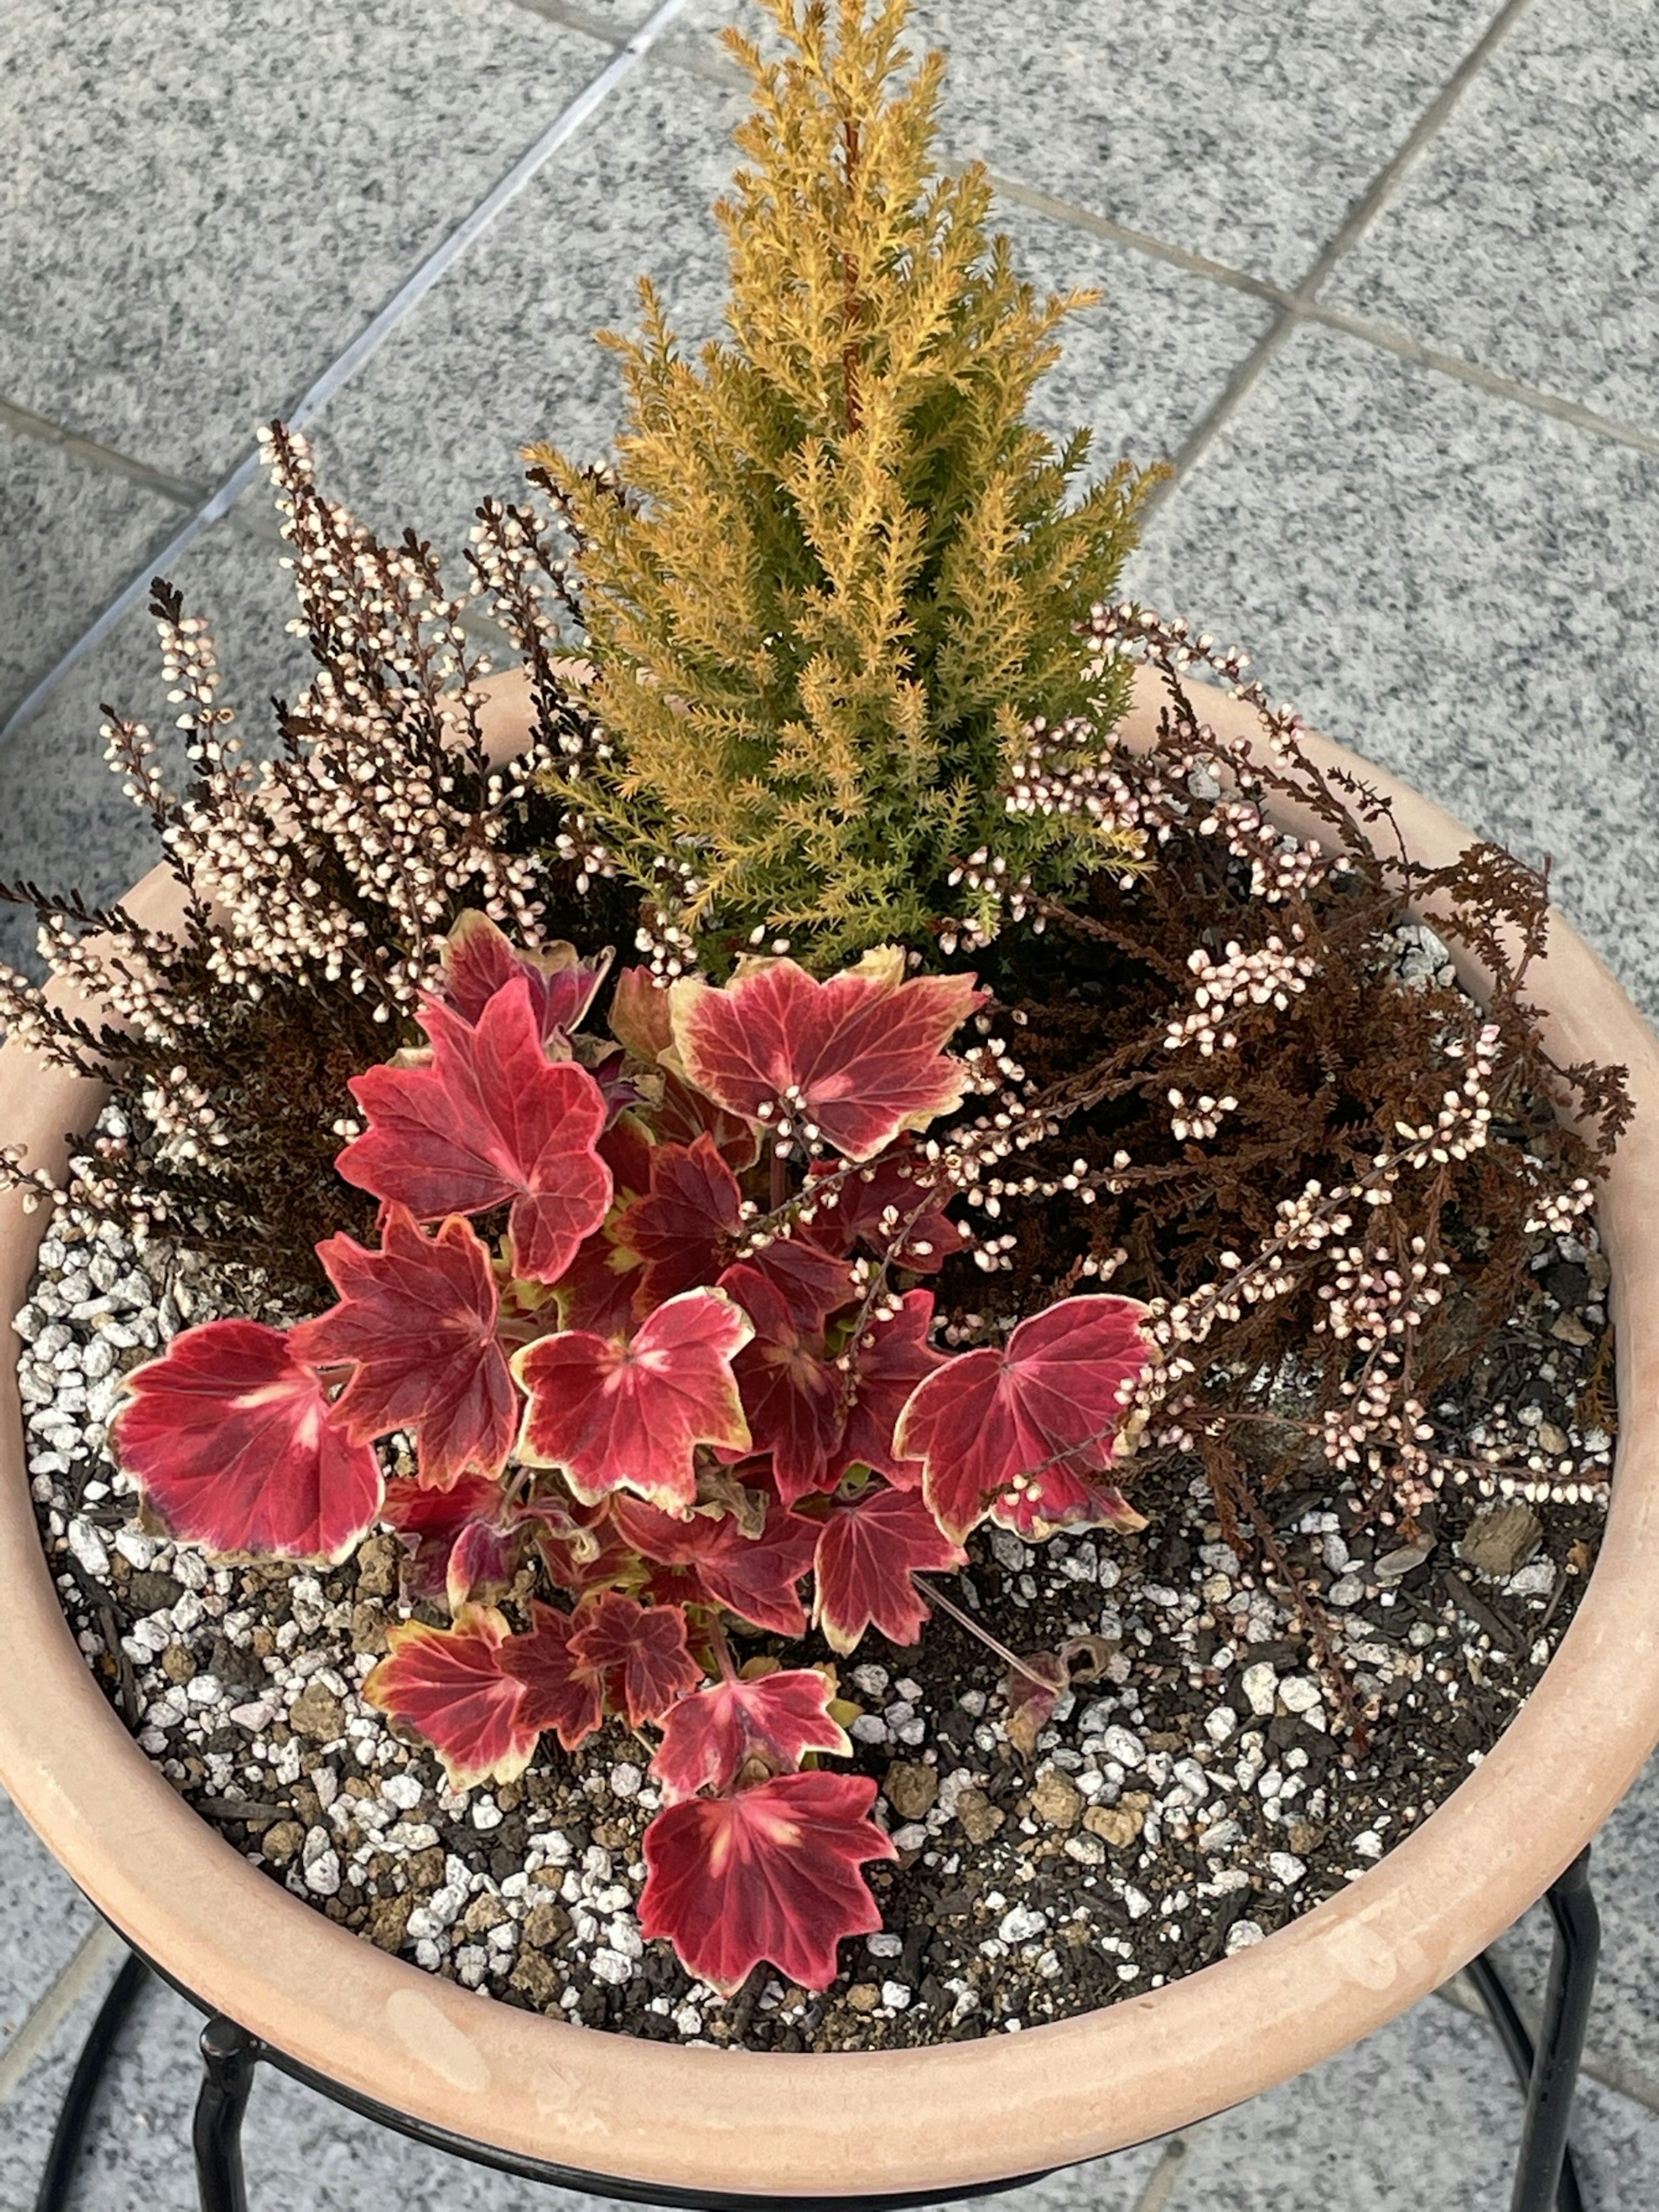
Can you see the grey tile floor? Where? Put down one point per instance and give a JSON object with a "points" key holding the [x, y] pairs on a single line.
{"points": [[1382, 286]]}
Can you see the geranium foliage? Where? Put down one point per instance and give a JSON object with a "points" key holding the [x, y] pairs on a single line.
{"points": [[642, 1329]]}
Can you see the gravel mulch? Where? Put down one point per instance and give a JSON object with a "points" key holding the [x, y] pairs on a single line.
{"points": [[1198, 1796]]}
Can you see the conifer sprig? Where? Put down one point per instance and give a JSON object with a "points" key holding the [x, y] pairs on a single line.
{"points": [[843, 578]]}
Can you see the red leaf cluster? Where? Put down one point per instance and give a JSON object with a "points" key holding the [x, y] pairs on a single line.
{"points": [[636, 1362]]}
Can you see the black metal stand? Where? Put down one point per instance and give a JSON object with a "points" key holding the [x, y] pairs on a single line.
{"points": [[1546, 2180]]}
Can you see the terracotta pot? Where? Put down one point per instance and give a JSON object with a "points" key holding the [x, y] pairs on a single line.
{"points": [[938, 2119]]}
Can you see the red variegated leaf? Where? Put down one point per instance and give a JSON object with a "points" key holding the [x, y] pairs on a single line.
{"points": [[230, 1439], [479, 961], [639, 1015], [626, 1149], [867, 1554], [999, 1422], [770, 1874], [708, 1739], [487, 1120], [679, 1228], [813, 1283], [856, 1059], [871, 1205], [584, 1551], [1058, 1498], [685, 1114], [639, 1652], [629, 1416], [416, 1322], [450, 1684], [597, 1291], [792, 1394], [465, 1544], [712, 1561], [890, 1359], [560, 1691]]}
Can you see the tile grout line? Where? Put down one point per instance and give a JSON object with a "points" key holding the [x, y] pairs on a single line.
{"points": [[344, 365], [1358, 220], [24, 423], [99, 1948], [1162, 2182]]}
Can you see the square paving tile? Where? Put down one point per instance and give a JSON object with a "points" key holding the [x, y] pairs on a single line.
{"points": [[1245, 135], [1523, 238], [205, 206], [1464, 590], [73, 533], [45, 1918], [63, 819], [1426, 2111]]}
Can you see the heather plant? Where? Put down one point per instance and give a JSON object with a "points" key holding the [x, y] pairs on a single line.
{"points": [[833, 577]]}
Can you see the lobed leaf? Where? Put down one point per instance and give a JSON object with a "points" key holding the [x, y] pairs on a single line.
{"points": [[867, 1556], [692, 1209], [450, 1684], [890, 1359], [1022, 1425], [638, 1652], [712, 1561], [854, 1059], [614, 1415], [890, 1199], [416, 1323], [708, 1739], [791, 1394], [462, 1543], [479, 961], [560, 1691], [488, 1121], [771, 1873], [230, 1439]]}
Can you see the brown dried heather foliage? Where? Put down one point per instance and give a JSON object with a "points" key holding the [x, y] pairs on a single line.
{"points": [[1328, 1177], [318, 885]]}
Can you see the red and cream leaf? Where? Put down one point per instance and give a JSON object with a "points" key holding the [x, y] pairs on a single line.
{"points": [[416, 1322], [487, 1120], [639, 1015], [479, 961], [712, 1561], [792, 1394], [230, 1438], [638, 1651], [629, 1416], [709, 1738], [559, 1690], [868, 1553], [450, 1684], [890, 1359], [771, 1873], [857, 1058], [999, 1423], [685, 1221], [871, 1205]]}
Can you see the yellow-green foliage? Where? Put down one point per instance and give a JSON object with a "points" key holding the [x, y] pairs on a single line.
{"points": [[845, 574]]}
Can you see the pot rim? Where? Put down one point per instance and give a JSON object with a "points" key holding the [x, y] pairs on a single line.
{"points": [[943, 2118]]}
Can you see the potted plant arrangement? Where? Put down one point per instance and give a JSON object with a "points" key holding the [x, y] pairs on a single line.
{"points": [[861, 1313]]}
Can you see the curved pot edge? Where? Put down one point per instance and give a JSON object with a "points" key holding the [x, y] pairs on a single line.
{"points": [[955, 2114]]}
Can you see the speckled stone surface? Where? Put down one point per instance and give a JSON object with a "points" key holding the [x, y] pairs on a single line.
{"points": [[193, 227], [1425, 2112], [502, 350], [1524, 240], [45, 1918], [63, 819], [1465, 590], [1245, 137], [71, 534]]}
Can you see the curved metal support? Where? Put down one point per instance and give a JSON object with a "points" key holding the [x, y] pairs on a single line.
{"points": [[1545, 2175], [70, 2131], [229, 2055]]}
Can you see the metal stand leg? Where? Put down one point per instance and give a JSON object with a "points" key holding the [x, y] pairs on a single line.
{"points": [[228, 2058], [67, 2136], [1544, 2173]]}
